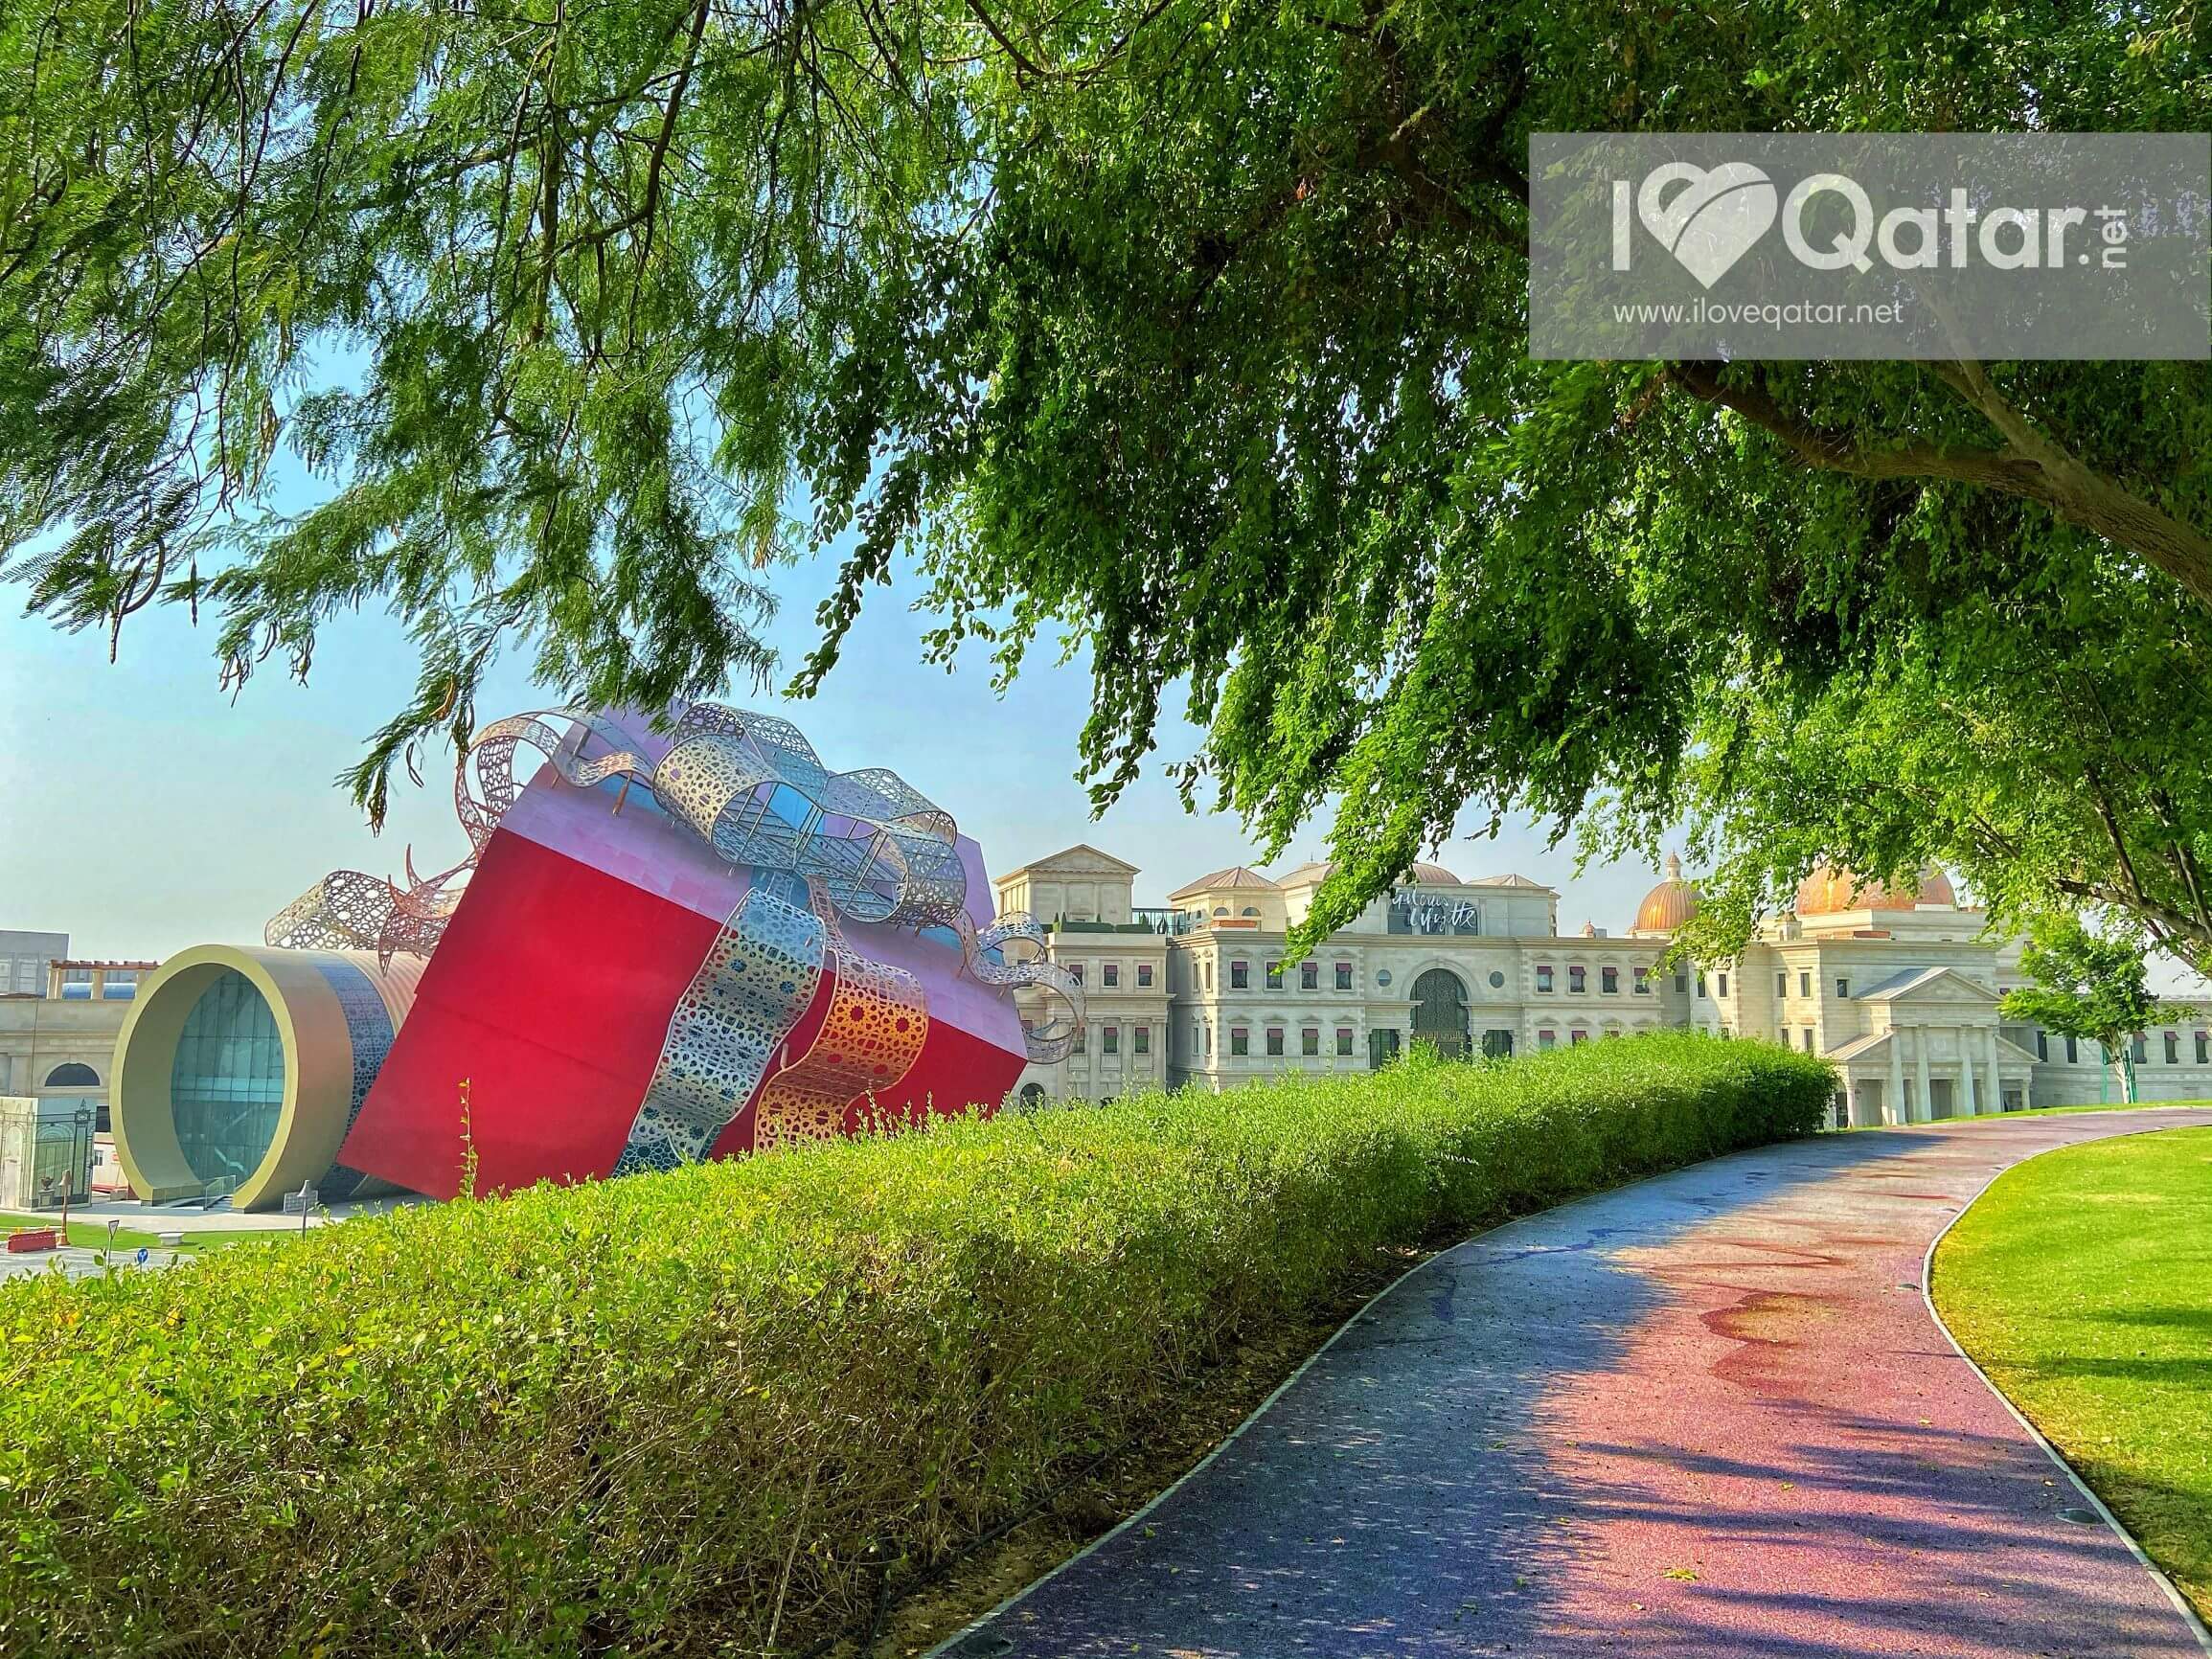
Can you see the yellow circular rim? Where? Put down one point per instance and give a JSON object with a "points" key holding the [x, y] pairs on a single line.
{"points": [[318, 1072]]}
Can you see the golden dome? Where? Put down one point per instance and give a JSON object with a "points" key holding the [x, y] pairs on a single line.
{"points": [[1668, 905], [1433, 876], [1829, 889]]}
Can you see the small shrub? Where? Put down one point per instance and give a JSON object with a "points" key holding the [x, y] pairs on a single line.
{"points": [[685, 1409]]}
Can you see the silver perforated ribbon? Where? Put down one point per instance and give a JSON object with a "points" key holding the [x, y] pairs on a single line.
{"points": [[752, 789]]}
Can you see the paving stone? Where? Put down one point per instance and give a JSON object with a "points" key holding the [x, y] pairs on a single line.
{"points": [[1705, 1417]]}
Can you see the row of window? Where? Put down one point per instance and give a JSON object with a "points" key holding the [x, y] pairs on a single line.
{"points": [[1110, 1037], [116, 984], [1610, 982], [1273, 1037], [1804, 985], [1343, 979], [1781, 985], [1546, 1039], [1579, 979], [2138, 1048], [1276, 1038], [1309, 1040], [1109, 974], [1309, 975]]}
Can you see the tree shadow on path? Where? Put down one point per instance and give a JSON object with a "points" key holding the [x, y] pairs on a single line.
{"points": [[1431, 1485]]}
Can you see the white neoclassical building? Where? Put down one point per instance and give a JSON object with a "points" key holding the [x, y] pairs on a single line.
{"points": [[1469, 965], [1205, 992], [1120, 957], [1899, 990], [58, 1019]]}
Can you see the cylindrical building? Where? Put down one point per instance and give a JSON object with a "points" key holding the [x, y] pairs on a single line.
{"points": [[241, 1069]]}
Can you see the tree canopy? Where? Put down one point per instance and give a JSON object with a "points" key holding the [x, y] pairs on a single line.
{"points": [[2035, 739], [1195, 330]]}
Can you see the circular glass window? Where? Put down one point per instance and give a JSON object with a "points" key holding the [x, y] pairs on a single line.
{"points": [[226, 1089], [1496, 979], [1382, 976]]}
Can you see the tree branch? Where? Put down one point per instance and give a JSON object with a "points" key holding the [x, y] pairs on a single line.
{"points": [[2031, 467], [2089, 498]]}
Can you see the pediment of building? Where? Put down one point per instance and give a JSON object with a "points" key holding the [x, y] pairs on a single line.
{"points": [[1080, 860]]}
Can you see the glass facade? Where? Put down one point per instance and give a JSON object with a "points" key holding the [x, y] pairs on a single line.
{"points": [[227, 1087]]}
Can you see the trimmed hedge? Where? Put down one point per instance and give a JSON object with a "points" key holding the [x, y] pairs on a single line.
{"points": [[706, 1410]]}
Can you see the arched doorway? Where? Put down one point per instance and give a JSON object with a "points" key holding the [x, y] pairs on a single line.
{"points": [[1439, 1011]]}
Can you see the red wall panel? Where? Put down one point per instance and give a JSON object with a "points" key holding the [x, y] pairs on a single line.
{"points": [[551, 993]]}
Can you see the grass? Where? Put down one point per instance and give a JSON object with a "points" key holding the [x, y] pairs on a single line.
{"points": [[2082, 1283], [735, 1408], [2098, 1106], [2050, 1112], [89, 1235], [93, 1234]]}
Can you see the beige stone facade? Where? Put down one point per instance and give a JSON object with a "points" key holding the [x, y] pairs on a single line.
{"points": [[1899, 990], [1203, 992], [1085, 897], [1469, 965], [59, 1019]]}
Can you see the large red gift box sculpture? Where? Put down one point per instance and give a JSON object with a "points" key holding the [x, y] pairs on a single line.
{"points": [[674, 945]]}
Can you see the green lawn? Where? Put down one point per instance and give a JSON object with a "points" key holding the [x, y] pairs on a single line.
{"points": [[2045, 1112], [2082, 1281], [93, 1234], [2104, 1107]]}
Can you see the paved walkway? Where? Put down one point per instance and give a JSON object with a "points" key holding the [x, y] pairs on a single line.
{"points": [[138, 1217], [80, 1262], [1703, 1417]]}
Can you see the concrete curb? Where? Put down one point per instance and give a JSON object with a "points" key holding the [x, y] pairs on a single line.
{"points": [[2173, 1594]]}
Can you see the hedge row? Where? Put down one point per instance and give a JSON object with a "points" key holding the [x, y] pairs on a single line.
{"points": [[705, 1411]]}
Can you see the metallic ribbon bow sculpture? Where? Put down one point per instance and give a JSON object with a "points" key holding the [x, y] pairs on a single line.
{"points": [[867, 846]]}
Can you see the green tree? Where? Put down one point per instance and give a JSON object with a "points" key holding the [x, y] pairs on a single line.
{"points": [[2087, 987], [2035, 744], [1193, 330]]}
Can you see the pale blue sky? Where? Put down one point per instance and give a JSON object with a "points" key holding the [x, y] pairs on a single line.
{"points": [[142, 810]]}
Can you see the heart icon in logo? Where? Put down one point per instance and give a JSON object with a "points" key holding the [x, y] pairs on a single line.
{"points": [[1712, 221]]}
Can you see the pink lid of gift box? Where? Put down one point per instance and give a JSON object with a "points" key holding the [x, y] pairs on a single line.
{"points": [[628, 835]]}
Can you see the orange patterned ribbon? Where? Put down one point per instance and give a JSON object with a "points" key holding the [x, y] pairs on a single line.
{"points": [[871, 1034]]}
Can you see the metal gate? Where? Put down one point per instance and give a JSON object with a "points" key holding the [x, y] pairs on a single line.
{"points": [[1440, 1012]]}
